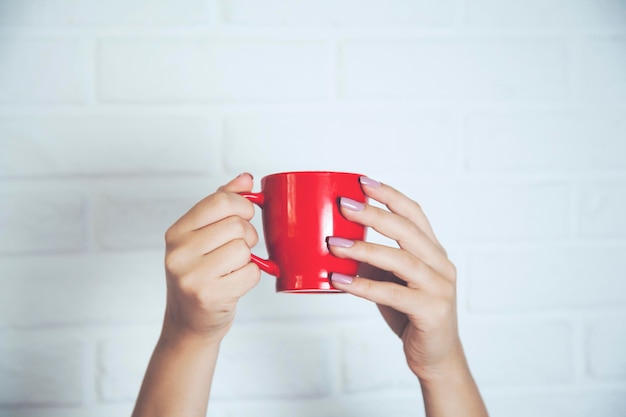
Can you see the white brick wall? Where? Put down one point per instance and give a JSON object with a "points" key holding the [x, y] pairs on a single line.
{"points": [[547, 141], [505, 120], [454, 70], [36, 372], [103, 144], [547, 278], [340, 141], [211, 70], [339, 13], [34, 13], [606, 349], [43, 71]]}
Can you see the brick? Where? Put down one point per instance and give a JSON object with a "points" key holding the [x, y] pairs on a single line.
{"points": [[447, 70], [519, 353], [390, 142], [606, 345], [602, 208], [571, 403], [107, 145], [603, 68], [111, 13], [211, 70], [472, 212], [546, 14], [288, 363], [80, 289], [547, 278], [548, 141], [339, 13], [41, 222], [37, 71], [122, 365], [373, 360], [41, 373]]}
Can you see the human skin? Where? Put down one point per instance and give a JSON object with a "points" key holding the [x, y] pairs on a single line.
{"points": [[414, 287], [208, 270]]}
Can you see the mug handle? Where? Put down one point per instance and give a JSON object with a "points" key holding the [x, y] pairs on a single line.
{"points": [[266, 265]]}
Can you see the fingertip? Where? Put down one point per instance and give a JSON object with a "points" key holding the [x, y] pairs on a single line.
{"points": [[369, 182], [241, 183], [341, 279]]}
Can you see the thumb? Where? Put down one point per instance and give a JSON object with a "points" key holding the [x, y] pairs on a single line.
{"points": [[241, 183]]}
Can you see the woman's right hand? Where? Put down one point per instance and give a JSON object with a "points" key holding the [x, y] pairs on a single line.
{"points": [[207, 263]]}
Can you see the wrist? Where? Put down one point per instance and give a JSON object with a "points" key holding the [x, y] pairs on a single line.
{"points": [[452, 370], [177, 337]]}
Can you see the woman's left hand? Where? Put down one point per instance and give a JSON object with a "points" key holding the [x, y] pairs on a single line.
{"points": [[414, 285]]}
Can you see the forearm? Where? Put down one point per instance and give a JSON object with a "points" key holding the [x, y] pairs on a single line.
{"points": [[178, 379], [453, 394]]}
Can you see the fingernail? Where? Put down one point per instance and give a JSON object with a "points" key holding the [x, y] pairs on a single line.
{"points": [[341, 278], [340, 242], [351, 204], [245, 173], [369, 182]]}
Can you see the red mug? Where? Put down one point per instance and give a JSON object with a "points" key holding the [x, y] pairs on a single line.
{"points": [[300, 211]]}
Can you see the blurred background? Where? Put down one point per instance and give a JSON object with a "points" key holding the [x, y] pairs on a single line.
{"points": [[506, 120]]}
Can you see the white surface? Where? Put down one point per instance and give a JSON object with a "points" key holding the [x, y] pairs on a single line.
{"points": [[505, 120]]}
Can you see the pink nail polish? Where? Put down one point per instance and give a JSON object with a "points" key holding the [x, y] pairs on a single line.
{"points": [[369, 182], [340, 242], [341, 278], [351, 204]]}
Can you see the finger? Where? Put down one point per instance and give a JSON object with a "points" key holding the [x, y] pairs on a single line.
{"points": [[240, 282], [401, 263], [408, 235], [206, 239], [217, 206], [223, 260], [400, 204], [403, 299], [240, 184]]}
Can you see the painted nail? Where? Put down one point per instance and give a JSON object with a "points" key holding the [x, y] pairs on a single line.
{"points": [[369, 182], [351, 204], [341, 278], [340, 242]]}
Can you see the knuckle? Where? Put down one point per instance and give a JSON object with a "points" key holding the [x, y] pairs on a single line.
{"points": [[416, 207], [173, 259], [448, 290], [377, 216], [186, 285], [396, 294], [221, 200], [366, 250], [238, 226], [453, 271], [253, 272], [415, 264], [170, 235], [255, 236], [240, 250]]}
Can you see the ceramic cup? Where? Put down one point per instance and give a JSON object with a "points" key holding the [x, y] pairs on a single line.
{"points": [[300, 211]]}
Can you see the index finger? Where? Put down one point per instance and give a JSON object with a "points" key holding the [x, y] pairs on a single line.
{"points": [[400, 204], [222, 204]]}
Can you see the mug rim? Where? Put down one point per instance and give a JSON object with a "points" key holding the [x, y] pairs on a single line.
{"points": [[319, 173]]}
